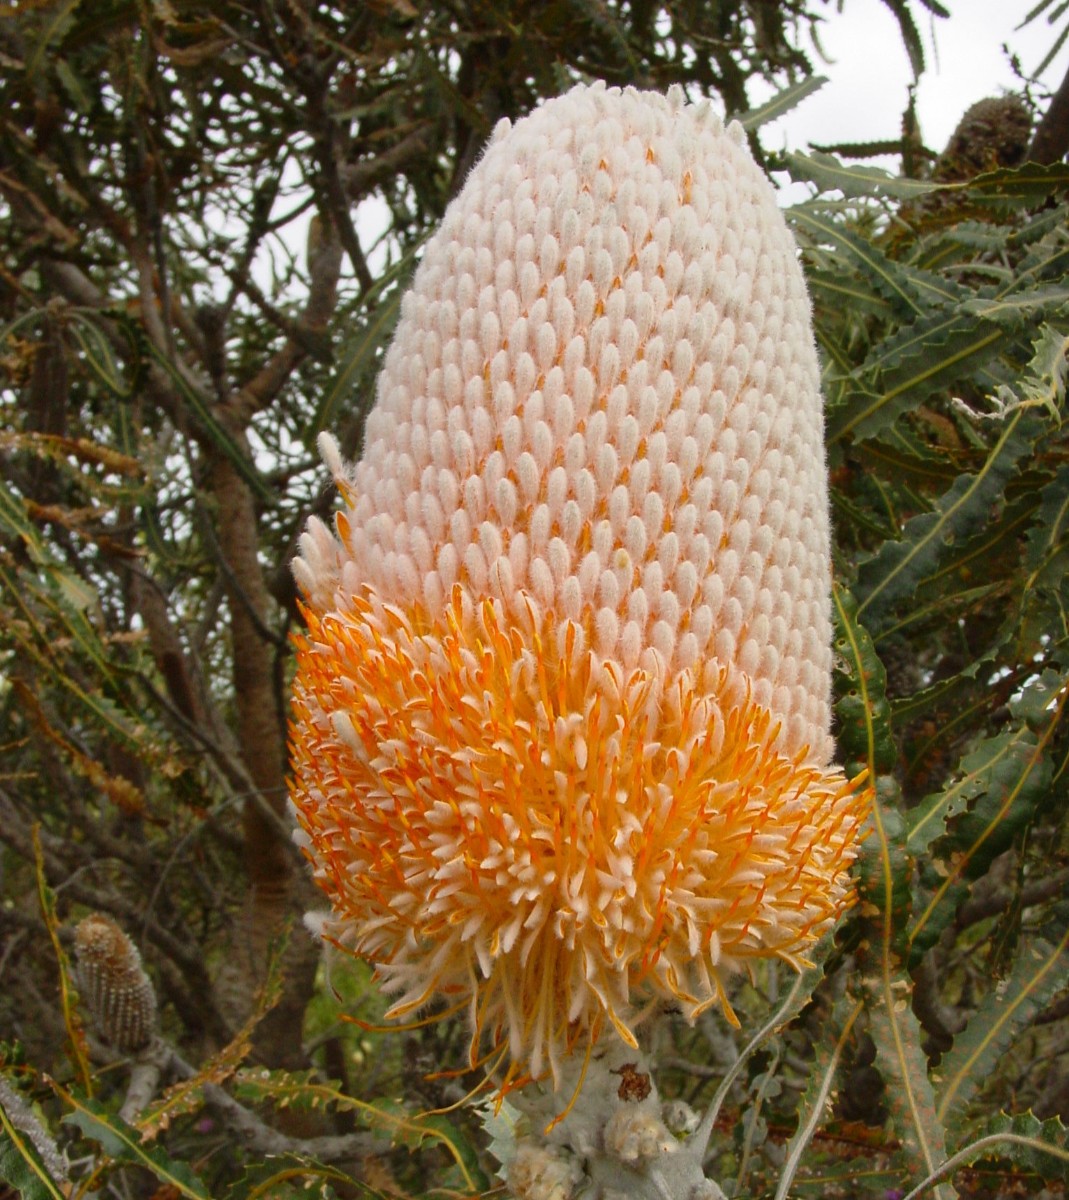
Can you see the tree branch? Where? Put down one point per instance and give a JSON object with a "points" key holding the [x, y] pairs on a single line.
{"points": [[324, 271], [363, 177], [1050, 143]]}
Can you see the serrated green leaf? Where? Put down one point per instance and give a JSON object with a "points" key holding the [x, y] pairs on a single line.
{"points": [[1043, 384], [278, 1177], [970, 558], [1048, 539], [782, 102], [907, 28], [949, 607], [903, 1064], [1015, 187], [865, 739], [123, 1144], [898, 568], [404, 1129], [831, 174], [985, 236], [885, 275], [898, 452], [1015, 308], [885, 897], [990, 824], [500, 1122], [1005, 1144], [1050, 1134], [364, 344], [835, 289], [864, 731], [1041, 969], [920, 360], [937, 695], [390, 1117], [874, 149], [877, 524], [1044, 226], [953, 723], [910, 341], [1017, 771], [21, 1166], [827, 1053], [1040, 700], [884, 878], [996, 766], [1057, 43], [1047, 259]]}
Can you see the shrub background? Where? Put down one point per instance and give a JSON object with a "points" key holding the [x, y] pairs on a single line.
{"points": [[168, 358]]}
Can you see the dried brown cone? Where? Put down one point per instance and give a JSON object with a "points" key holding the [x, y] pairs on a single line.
{"points": [[992, 133], [118, 994]]}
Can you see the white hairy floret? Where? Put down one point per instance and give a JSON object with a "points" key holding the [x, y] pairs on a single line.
{"points": [[636, 1134], [540, 1172]]}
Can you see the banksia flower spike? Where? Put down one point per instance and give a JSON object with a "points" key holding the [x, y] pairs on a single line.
{"points": [[561, 720], [118, 994]]}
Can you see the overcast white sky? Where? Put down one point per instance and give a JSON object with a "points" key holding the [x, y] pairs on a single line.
{"points": [[869, 72]]}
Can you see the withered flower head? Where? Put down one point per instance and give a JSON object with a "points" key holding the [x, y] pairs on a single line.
{"points": [[561, 720], [118, 994]]}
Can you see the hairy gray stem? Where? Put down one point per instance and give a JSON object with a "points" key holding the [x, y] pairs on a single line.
{"points": [[604, 1134]]}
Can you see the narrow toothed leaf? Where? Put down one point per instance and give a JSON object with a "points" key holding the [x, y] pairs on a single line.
{"points": [[1048, 539], [992, 799], [910, 290], [898, 568], [1040, 971], [903, 1063], [396, 1122], [831, 174], [921, 359], [123, 1144], [812, 1109], [1019, 187], [886, 898], [782, 102], [1040, 1146]]}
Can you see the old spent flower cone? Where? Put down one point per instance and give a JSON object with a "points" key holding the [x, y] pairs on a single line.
{"points": [[561, 720]]}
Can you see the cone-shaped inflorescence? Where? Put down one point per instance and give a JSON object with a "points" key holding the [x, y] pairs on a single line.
{"points": [[561, 721], [112, 982]]}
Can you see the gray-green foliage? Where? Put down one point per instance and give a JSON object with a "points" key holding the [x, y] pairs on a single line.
{"points": [[945, 374]]}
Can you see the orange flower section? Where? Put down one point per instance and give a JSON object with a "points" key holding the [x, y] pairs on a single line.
{"points": [[544, 838]]}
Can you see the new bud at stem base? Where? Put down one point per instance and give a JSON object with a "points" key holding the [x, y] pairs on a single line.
{"points": [[561, 720]]}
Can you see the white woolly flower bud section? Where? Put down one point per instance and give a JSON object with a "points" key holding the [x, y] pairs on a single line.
{"points": [[603, 392]]}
